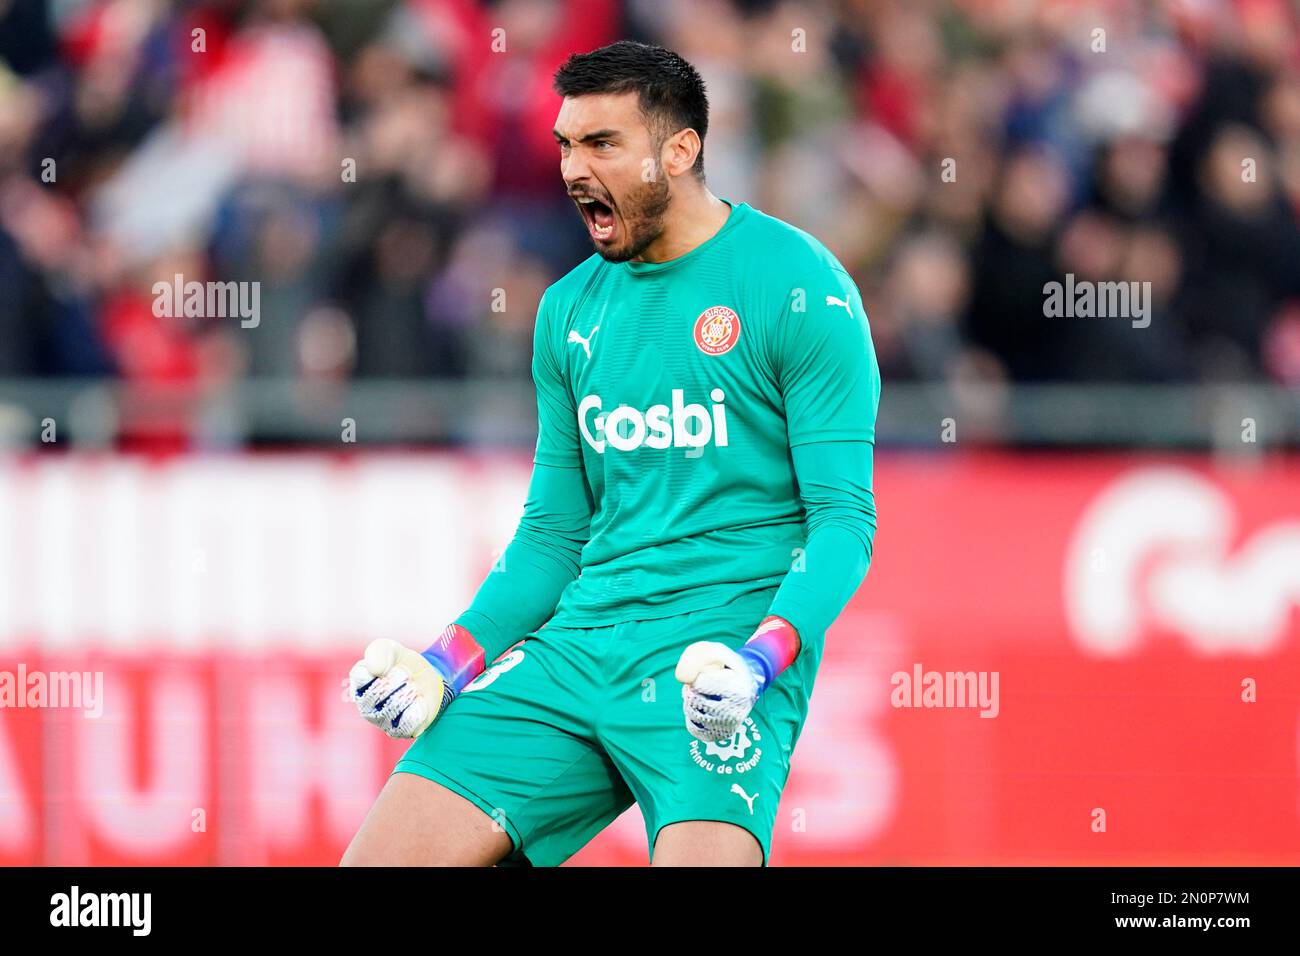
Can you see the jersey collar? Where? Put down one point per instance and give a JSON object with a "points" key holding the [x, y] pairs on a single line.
{"points": [[738, 210]]}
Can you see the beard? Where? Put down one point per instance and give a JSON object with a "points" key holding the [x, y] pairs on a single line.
{"points": [[643, 213]]}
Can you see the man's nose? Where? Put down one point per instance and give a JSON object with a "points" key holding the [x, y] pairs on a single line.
{"points": [[574, 168]]}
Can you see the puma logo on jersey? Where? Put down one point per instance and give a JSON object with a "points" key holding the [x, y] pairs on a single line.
{"points": [[749, 801], [831, 300], [659, 426], [576, 337]]}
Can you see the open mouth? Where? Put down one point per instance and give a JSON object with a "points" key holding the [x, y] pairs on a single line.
{"points": [[598, 216]]}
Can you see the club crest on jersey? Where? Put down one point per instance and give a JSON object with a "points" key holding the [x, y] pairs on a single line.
{"points": [[717, 330]]}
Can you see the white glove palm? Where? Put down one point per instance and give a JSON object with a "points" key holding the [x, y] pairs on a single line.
{"points": [[718, 690], [396, 689]]}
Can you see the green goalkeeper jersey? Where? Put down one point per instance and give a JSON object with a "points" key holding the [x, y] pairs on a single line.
{"points": [[680, 388]]}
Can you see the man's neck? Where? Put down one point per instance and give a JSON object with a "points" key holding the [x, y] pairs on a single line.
{"points": [[694, 218]]}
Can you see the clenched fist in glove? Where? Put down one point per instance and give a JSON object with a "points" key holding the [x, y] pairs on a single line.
{"points": [[401, 691], [720, 685]]}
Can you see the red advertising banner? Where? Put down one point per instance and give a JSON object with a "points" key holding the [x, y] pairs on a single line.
{"points": [[1054, 659]]}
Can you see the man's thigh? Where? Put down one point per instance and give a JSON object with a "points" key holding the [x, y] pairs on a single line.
{"points": [[416, 822], [517, 746], [706, 843]]}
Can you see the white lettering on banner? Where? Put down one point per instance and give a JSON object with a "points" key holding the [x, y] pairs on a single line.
{"points": [[153, 817], [336, 760], [1172, 530], [243, 553]]}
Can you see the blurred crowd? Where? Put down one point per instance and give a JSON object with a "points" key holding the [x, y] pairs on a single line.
{"points": [[385, 170]]}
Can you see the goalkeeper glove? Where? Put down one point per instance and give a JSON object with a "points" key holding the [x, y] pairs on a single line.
{"points": [[720, 685], [401, 692]]}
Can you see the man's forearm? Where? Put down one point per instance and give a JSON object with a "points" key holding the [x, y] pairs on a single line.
{"points": [[521, 592], [516, 599], [835, 561], [835, 481]]}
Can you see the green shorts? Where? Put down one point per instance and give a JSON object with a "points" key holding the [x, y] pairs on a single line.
{"points": [[559, 735]]}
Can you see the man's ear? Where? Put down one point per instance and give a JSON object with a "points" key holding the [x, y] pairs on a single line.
{"points": [[680, 151]]}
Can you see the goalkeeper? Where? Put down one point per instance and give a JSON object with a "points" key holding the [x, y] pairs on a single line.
{"points": [[700, 510]]}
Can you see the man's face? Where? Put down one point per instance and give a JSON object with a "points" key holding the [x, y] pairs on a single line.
{"points": [[610, 164]]}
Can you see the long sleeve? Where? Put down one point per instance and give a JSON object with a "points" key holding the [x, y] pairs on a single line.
{"points": [[835, 479], [830, 382]]}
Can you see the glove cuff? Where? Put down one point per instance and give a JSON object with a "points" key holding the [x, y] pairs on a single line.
{"points": [[458, 657], [771, 650]]}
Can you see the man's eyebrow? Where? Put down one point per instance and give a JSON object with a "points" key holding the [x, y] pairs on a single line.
{"points": [[599, 134]]}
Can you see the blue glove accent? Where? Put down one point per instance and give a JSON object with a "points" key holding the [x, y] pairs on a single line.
{"points": [[759, 666]]}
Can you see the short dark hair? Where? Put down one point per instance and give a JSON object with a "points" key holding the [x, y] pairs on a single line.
{"points": [[670, 92]]}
